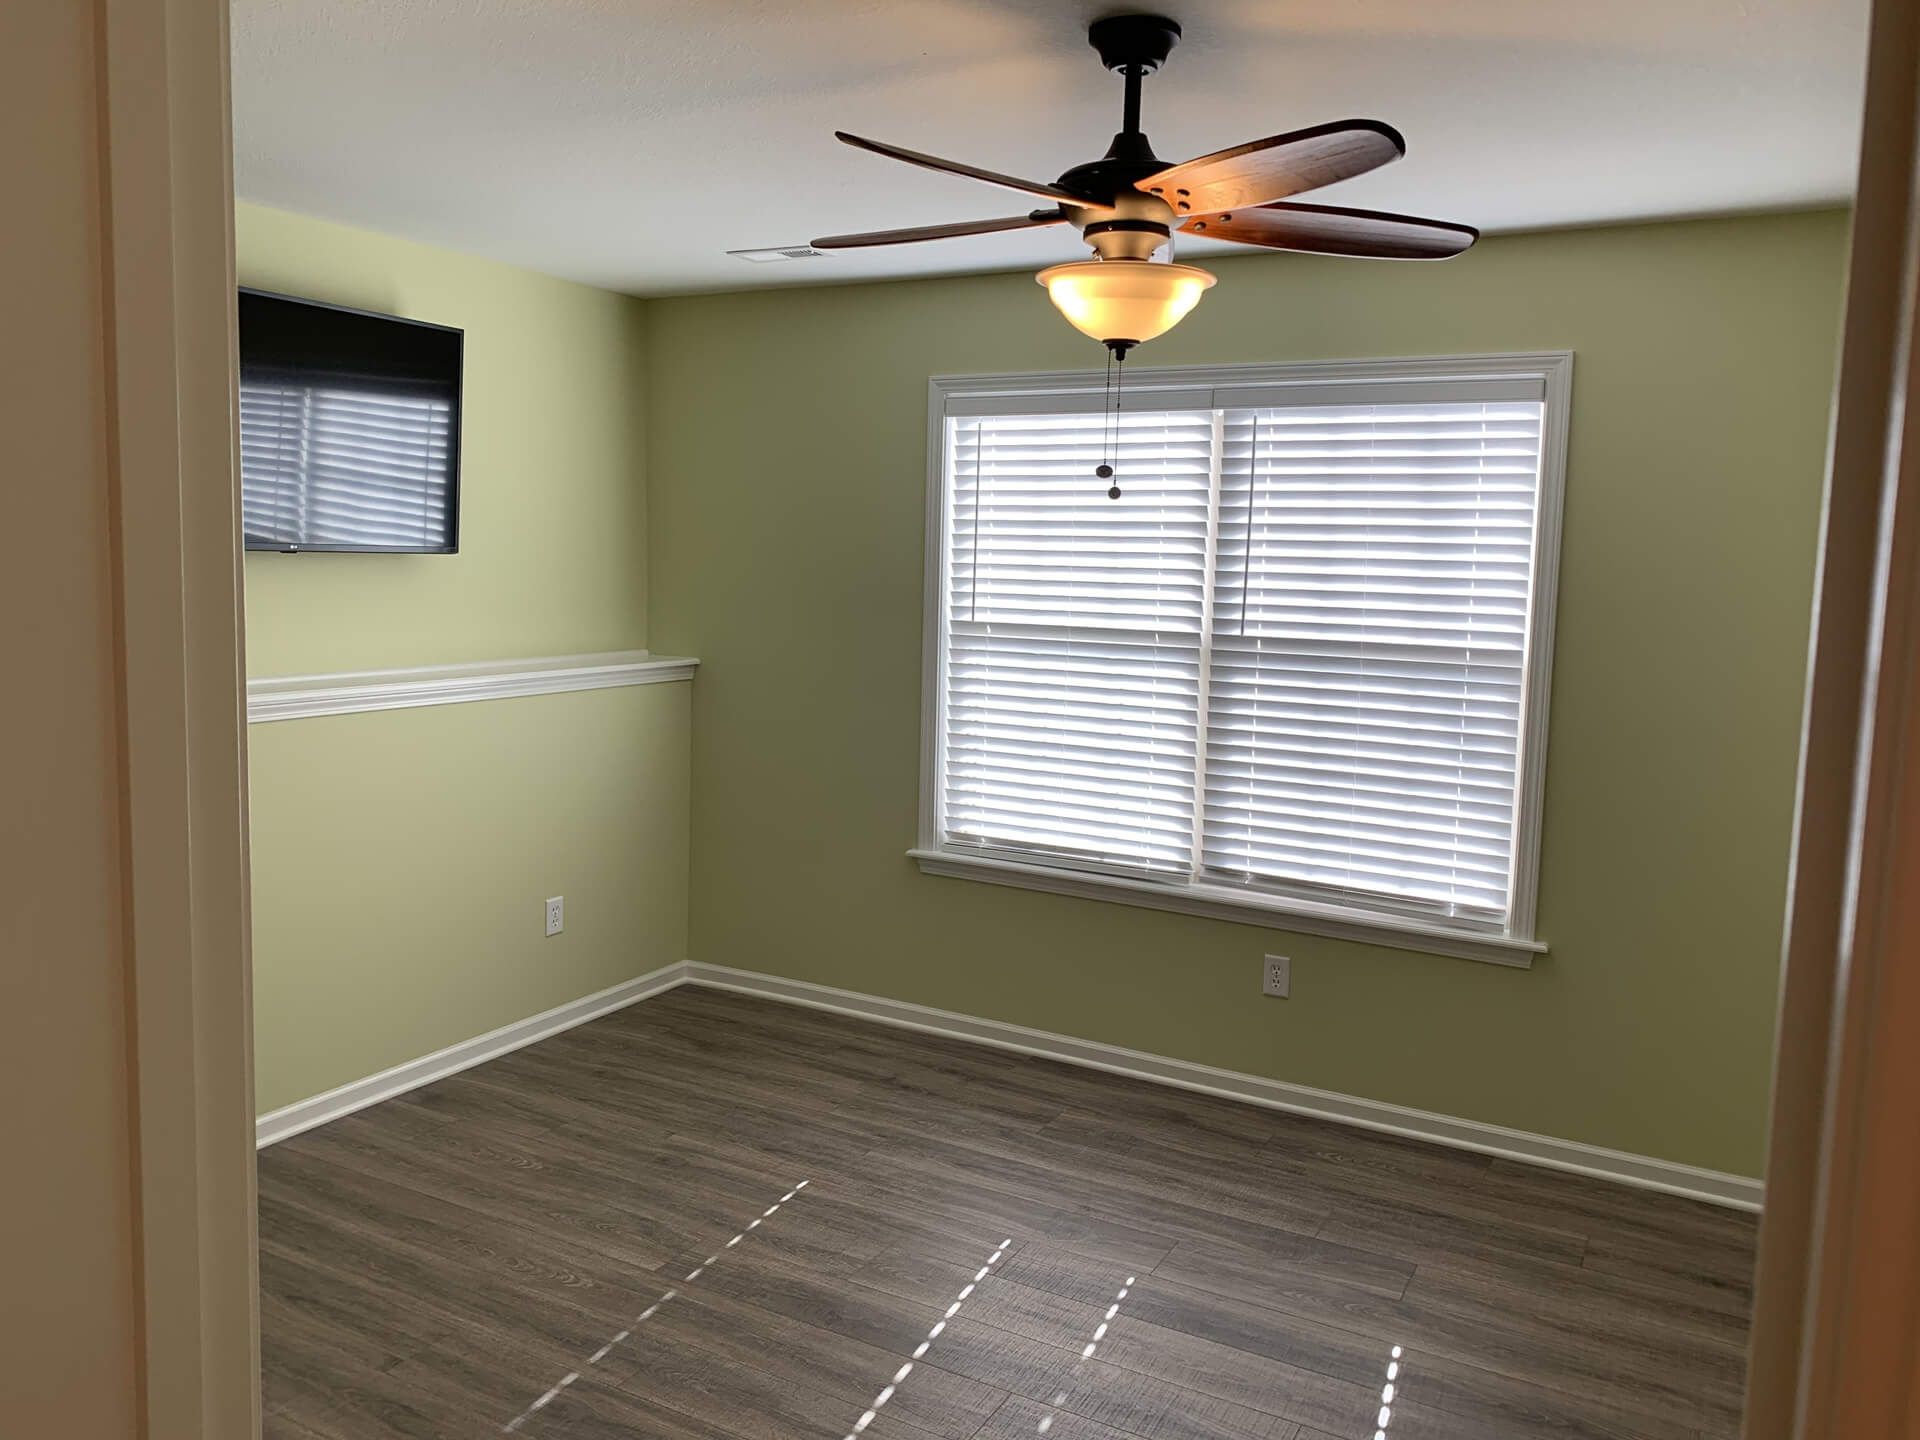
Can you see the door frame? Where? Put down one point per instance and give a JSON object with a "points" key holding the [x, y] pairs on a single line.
{"points": [[166, 223], [1837, 1300]]}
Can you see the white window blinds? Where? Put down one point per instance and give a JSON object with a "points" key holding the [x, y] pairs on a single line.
{"points": [[1074, 636], [1290, 662], [333, 465], [1369, 638]]}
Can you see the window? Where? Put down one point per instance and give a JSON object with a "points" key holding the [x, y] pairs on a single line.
{"points": [[1296, 674]]}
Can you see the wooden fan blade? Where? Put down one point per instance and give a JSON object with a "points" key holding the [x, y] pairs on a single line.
{"points": [[954, 167], [1274, 168], [1333, 230], [940, 232]]}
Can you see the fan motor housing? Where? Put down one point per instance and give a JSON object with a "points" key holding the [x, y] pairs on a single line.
{"points": [[1110, 179], [1136, 226]]}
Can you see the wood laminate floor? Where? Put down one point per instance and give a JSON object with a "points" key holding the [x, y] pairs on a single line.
{"points": [[606, 1234]]}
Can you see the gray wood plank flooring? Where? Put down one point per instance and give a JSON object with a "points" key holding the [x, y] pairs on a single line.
{"points": [[509, 1251]]}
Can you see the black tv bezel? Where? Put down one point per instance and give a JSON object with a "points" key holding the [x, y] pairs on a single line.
{"points": [[250, 546]]}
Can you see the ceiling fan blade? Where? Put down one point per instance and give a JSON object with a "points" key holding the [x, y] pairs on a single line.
{"points": [[954, 167], [1274, 168], [941, 232], [1333, 230]]}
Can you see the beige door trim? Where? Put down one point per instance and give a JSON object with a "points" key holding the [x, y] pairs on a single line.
{"points": [[1834, 1343], [167, 210]]}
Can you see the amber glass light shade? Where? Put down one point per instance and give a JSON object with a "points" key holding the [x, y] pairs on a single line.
{"points": [[1124, 300]]}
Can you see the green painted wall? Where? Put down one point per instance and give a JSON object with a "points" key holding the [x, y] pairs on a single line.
{"points": [[401, 858], [787, 433], [553, 513]]}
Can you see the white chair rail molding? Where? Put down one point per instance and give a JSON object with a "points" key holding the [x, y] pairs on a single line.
{"points": [[296, 697]]}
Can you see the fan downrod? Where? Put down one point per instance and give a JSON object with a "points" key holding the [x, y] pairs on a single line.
{"points": [[1133, 46]]}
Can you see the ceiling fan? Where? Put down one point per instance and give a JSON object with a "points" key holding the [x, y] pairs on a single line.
{"points": [[1127, 204]]}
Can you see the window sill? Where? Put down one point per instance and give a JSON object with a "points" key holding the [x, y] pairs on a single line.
{"points": [[1222, 904]]}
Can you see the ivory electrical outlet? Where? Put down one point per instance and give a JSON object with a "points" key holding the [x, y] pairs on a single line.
{"points": [[556, 914], [1277, 977]]}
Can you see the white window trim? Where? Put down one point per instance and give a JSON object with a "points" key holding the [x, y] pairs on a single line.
{"points": [[1515, 944]]}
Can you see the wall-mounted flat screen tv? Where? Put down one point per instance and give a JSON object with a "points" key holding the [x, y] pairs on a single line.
{"points": [[349, 429]]}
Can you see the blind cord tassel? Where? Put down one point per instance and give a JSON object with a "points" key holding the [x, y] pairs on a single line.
{"points": [[1116, 374]]}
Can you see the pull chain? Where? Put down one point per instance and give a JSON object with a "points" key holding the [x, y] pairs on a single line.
{"points": [[1116, 377]]}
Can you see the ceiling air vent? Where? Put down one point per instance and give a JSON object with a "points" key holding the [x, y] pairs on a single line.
{"points": [[780, 252]]}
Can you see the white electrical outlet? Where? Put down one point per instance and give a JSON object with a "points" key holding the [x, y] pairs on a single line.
{"points": [[556, 914], [1277, 977]]}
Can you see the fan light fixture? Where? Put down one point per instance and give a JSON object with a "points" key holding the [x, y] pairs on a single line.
{"points": [[1128, 204], [1123, 302]]}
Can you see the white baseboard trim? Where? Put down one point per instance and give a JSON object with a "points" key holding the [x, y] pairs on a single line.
{"points": [[1644, 1172], [290, 1120]]}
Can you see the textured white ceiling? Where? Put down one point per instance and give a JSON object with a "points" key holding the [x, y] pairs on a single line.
{"points": [[631, 143]]}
